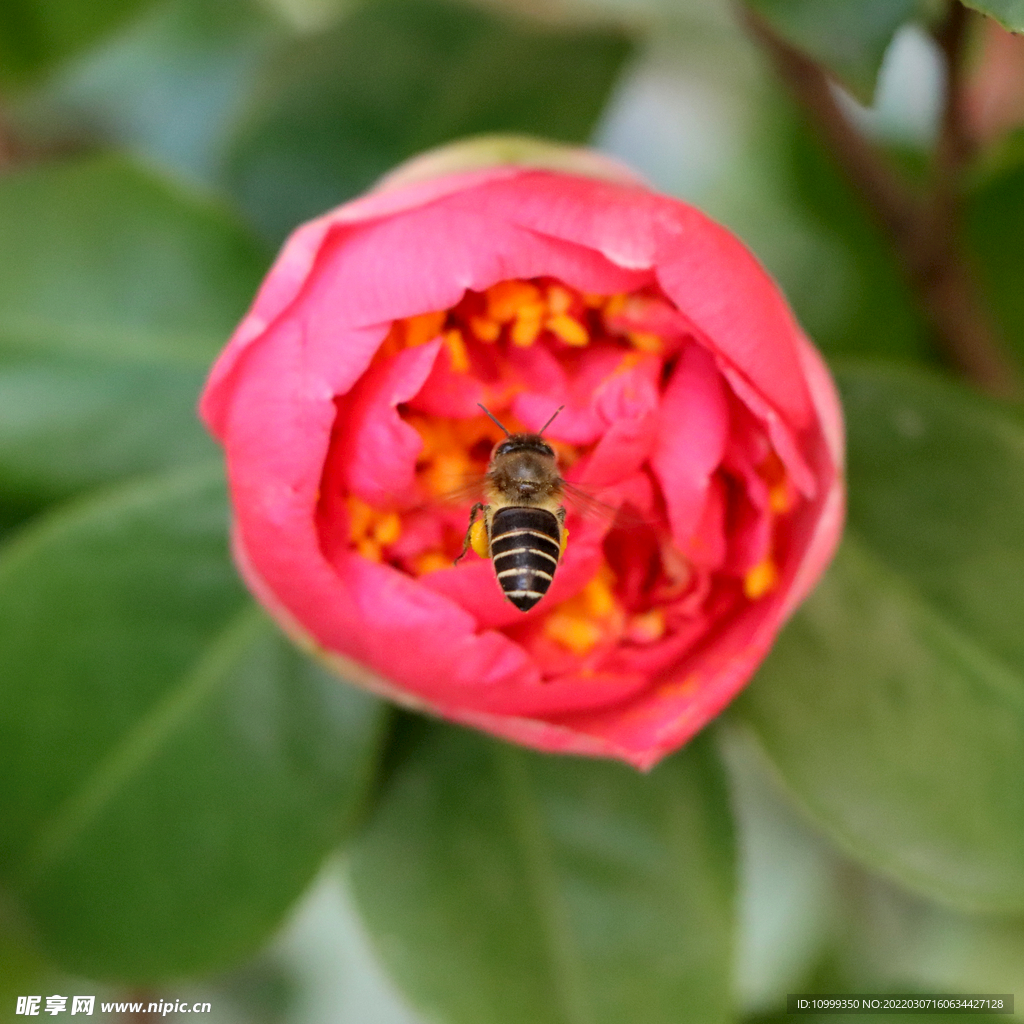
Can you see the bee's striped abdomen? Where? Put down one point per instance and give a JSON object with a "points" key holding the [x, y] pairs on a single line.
{"points": [[525, 547]]}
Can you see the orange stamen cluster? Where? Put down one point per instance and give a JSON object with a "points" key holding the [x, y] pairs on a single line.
{"points": [[455, 452], [520, 313], [480, 334], [780, 490], [371, 530], [597, 615], [581, 622], [763, 578]]}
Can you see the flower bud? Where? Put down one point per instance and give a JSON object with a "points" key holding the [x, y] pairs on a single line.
{"points": [[698, 435]]}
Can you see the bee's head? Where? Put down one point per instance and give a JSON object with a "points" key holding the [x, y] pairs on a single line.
{"points": [[516, 443]]}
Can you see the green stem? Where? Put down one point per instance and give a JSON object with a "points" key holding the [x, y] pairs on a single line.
{"points": [[924, 231]]}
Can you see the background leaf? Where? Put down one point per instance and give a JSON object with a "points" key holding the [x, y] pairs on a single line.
{"points": [[167, 756], [34, 36], [340, 108], [504, 886], [873, 312], [850, 39], [893, 705], [1009, 13], [995, 221], [790, 883], [116, 291], [896, 938], [167, 86]]}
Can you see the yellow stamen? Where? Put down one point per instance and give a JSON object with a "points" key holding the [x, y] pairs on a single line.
{"points": [[447, 472], [369, 549], [581, 622], [438, 435], [388, 528], [614, 305], [525, 331], [485, 328], [360, 518], [646, 627], [456, 350], [644, 341], [761, 580], [507, 298], [578, 634], [559, 299], [598, 596], [565, 539], [430, 561], [424, 327], [780, 500], [371, 530], [572, 332], [628, 362]]}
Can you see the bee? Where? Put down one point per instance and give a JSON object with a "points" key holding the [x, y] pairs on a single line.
{"points": [[523, 526]]}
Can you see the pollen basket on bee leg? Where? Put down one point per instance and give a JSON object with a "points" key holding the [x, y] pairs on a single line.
{"points": [[478, 539]]}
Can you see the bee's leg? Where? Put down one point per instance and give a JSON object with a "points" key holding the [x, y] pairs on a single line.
{"points": [[560, 514], [474, 512]]}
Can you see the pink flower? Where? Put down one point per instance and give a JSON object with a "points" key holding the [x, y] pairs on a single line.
{"points": [[347, 406]]}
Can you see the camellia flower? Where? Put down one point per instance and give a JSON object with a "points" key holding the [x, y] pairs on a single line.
{"points": [[695, 412]]}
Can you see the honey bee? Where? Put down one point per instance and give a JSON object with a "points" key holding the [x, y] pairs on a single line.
{"points": [[523, 526]]}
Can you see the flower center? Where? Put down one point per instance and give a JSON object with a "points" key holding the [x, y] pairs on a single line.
{"points": [[536, 341]]}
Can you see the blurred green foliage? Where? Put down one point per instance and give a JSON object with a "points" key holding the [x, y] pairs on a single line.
{"points": [[175, 774], [1007, 12], [119, 288], [205, 768], [334, 111], [36, 36], [906, 667], [849, 38], [609, 894]]}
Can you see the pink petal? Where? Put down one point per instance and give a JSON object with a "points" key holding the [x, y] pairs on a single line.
{"points": [[691, 441], [722, 289], [424, 260], [448, 393], [374, 454]]}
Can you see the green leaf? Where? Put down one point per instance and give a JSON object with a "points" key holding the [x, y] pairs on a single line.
{"points": [[1009, 13], [116, 291], [894, 938], [995, 220], [790, 202], [850, 39], [790, 884], [103, 257], [339, 109], [872, 310], [893, 705], [174, 771], [66, 424], [35, 36], [506, 886], [167, 87]]}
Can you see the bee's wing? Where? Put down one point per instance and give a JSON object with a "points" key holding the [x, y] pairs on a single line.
{"points": [[591, 507], [469, 490]]}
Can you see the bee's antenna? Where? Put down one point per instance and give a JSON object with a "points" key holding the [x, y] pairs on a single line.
{"points": [[549, 422], [495, 418]]}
